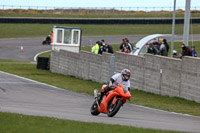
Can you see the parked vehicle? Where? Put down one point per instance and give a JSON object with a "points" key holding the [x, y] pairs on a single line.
{"points": [[111, 102]]}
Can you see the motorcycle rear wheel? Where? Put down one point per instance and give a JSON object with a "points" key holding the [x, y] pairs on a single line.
{"points": [[113, 109], [94, 109]]}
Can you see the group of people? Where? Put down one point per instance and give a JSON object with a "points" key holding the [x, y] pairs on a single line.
{"points": [[157, 48], [101, 47], [186, 51], [126, 46], [162, 49]]}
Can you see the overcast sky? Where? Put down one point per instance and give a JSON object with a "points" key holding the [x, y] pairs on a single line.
{"points": [[100, 3]]}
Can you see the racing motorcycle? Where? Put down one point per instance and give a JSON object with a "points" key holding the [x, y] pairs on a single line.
{"points": [[111, 101]]}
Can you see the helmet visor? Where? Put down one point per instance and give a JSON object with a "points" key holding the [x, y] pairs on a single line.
{"points": [[126, 77]]}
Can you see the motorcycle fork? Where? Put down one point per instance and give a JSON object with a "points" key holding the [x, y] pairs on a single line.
{"points": [[96, 99]]}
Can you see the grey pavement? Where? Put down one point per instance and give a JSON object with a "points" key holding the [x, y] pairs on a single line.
{"points": [[10, 48], [24, 96]]}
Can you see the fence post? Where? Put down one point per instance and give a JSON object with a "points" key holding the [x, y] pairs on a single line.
{"points": [[137, 8], [112, 65], [71, 11]]}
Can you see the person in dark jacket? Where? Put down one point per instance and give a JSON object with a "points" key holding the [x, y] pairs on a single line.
{"points": [[166, 44], [163, 50], [155, 42], [122, 45], [130, 45], [47, 40], [149, 48], [100, 47], [152, 49], [125, 47], [185, 51], [108, 48]]}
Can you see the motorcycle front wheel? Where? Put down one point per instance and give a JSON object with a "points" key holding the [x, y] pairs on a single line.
{"points": [[94, 109], [113, 109]]}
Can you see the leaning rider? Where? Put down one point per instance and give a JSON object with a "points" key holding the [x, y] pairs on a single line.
{"points": [[119, 78]]}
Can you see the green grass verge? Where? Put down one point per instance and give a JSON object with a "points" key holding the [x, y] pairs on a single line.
{"points": [[46, 54], [13, 61], [67, 82], [16, 123], [42, 30]]}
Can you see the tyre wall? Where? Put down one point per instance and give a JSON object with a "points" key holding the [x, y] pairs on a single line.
{"points": [[95, 20]]}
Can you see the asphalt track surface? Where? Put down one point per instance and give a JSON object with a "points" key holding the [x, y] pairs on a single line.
{"points": [[24, 96], [10, 48]]}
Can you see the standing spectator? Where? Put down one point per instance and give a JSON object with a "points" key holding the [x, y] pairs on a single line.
{"points": [[103, 42], [130, 44], [156, 46], [122, 45], [95, 48], [166, 45], [125, 47], [108, 48], [156, 49], [185, 51], [101, 47], [194, 53], [149, 48], [163, 50], [155, 42], [51, 33]]}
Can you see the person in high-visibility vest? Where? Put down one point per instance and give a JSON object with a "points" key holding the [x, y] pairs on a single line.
{"points": [[51, 36], [95, 48]]}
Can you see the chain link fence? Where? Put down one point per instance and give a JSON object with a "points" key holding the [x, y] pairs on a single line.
{"points": [[4, 7], [93, 12]]}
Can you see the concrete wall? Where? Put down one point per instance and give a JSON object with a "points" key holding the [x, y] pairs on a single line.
{"points": [[83, 65], [135, 64], [190, 79], [155, 74]]}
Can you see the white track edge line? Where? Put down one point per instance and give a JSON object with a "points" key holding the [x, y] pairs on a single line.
{"points": [[31, 80], [166, 111], [35, 57]]}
